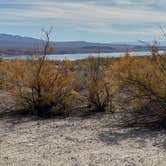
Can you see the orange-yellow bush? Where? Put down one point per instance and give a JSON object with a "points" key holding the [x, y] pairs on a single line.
{"points": [[100, 89], [39, 85], [144, 77]]}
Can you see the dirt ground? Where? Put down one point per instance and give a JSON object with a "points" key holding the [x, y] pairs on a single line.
{"points": [[78, 141]]}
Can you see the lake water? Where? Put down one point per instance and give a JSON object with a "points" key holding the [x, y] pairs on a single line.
{"points": [[79, 56]]}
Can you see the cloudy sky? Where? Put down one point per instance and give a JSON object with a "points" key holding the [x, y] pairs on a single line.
{"points": [[85, 20]]}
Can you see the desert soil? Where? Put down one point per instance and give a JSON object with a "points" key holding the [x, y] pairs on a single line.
{"points": [[78, 141]]}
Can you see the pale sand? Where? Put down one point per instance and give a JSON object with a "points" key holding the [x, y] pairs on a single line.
{"points": [[77, 141]]}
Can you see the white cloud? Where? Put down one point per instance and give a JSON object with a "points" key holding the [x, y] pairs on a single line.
{"points": [[93, 17], [100, 28], [87, 12]]}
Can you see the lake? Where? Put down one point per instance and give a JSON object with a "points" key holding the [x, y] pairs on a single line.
{"points": [[79, 56]]}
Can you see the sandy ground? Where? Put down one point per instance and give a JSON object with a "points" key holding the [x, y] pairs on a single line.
{"points": [[78, 141]]}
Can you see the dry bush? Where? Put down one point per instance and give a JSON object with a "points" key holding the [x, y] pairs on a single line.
{"points": [[38, 90], [100, 91], [143, 79], [39, 85]]}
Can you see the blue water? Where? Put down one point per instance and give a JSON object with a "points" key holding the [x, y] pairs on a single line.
{"points": [[78, 56]]}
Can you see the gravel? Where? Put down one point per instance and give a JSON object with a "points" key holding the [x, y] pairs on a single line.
{"points": [[78, 141]]}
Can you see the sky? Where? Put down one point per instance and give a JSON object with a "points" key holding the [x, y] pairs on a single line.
{"points": [[85, 20]]}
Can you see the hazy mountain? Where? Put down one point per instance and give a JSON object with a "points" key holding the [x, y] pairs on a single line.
{"points": [[14, 44], [11, 41]]}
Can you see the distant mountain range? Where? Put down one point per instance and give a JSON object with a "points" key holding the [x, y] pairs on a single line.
{"points": [[18, 45]]}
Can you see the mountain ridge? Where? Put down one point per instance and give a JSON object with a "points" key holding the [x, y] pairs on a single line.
{"points": [[20, 45]]}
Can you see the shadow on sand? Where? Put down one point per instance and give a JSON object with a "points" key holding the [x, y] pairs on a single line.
{"points": [[139, 135], [22, 116]]}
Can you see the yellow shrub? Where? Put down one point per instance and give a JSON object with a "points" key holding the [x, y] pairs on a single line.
{"points": [[100, 89], [145, 77], [38, 85]]}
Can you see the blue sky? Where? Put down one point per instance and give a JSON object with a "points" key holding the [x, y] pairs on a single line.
{"points": [[85, 20]]}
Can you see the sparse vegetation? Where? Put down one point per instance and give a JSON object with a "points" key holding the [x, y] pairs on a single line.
{"points": [[41, 86]]}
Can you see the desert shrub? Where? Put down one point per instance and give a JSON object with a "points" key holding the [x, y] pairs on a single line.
{"points": [[39, 85], [100, 91], [143, 79], [36, 90]]}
